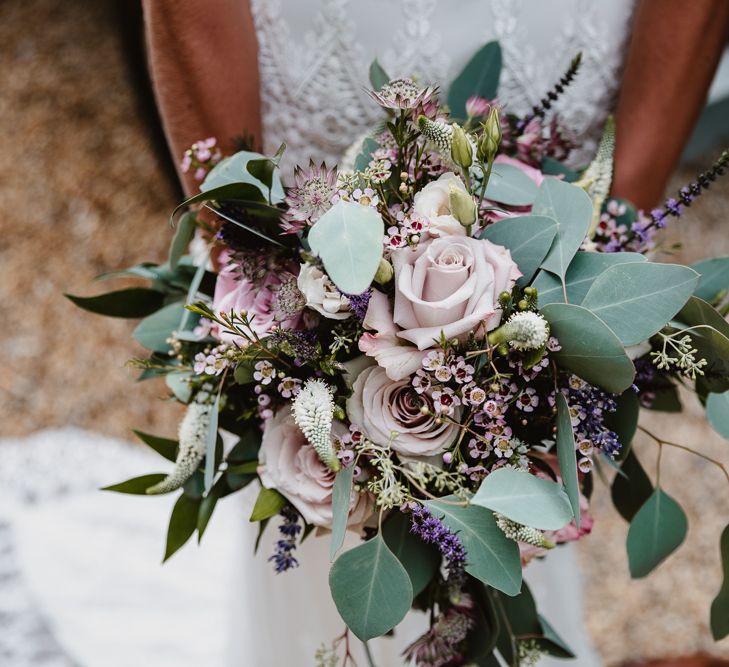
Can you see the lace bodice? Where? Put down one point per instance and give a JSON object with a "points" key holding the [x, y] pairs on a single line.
{"points": [[314, 57]]}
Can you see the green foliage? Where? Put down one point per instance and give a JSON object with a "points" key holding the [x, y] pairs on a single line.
{"points": [[717, 410], [132, 302], [714, 279], [419, 559], [153, 331], [509, 185], [178, 383], [269, 503], [631, 489], [491, 557], [163, 446], [341, 499], [656, 531], [237, 191], [211, 441], [378, 76], [235, 171], [369, 146], [479, 77], [589, 347], [370, 588], [624, 421], [697, 312], [720, 605], [348, 239], [181, 239], [566, 455], [528, 238], [572, 209], [636, 300], [581, 273], [552, 167], [182, 524], [137, 485], [264, 170]]}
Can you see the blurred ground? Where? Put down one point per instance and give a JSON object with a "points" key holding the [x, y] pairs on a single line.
{"points": [[83, 190]]}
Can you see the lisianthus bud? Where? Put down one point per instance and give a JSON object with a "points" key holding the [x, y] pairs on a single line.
{"points": [[384, 272], [462, 206], [461, 151], [491, 137]]}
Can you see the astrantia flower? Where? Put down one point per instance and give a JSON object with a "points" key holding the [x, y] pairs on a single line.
{"points": [[403, 94], [310, 197]]}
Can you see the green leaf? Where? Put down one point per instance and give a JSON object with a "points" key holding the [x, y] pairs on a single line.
{"points": [[378, 76], [589, 348], [211, 441], [163, 446], [521, 612], [182, 524], [720, 605], [370, 588], [132, 302], [178, 382], [234, 170], [348, 238], [527, 237], [269, 503], [153, 331], [421, 560], [636, 300], [238, 191], [581, 273], [572, 209], [717, 410], [243, 373], [552, 167], [369, 146], [713, 346], [479, 77], [248, 468], [341, 500], [137, 485], [656, 531], [525, 498], [714, 277], [665, 399], [509, 185], [264, 169], [566, 455], [624, 421], [697, 312], [551, 642], [207, 507], [181, 239], [491, 557], [632, 489]]}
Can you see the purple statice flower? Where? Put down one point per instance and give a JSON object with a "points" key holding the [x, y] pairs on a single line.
{"points": [[302, 345], [433, 531], [310, 197], [589, 406], [289, 529], [359, 302]]}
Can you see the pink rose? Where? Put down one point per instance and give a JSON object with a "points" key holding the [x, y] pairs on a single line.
{"points": [[512, 211], [448, 285], [388, 412], [234, 291], [291, 465]]}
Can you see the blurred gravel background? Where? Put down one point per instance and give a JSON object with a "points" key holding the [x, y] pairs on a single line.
{"points": [[85, 188]]}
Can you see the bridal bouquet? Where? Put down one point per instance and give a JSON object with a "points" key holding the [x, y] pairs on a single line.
{"points": [[436, 345]]}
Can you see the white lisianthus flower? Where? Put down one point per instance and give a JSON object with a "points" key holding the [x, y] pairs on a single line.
{"points": [[321, 294], [433, 203]]}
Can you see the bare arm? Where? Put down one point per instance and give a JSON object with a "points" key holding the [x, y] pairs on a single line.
{"points": [[673, 55], [203, 62]]}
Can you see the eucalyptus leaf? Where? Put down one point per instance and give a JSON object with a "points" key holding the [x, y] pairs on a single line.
{"points": [[211, 441], [713, 346], [181, 239], [589, 348], [566, 455], [491, 557], [163, 446], [370, 588], [341, 501], [269, 503], [581, 273], [624, 421], [631, 489], [132, 302], [178, 382], [525, 498], [636, 300], [369, 146], [237, 191], [714, 279], [720, 605], [571, 207], [509, 185], [479, 77], [153, 331], [717, 410], [378, 76], [421, 560], [528, 239], [696, 312], [182, 524], [234, 170], [552, 167], [348, 239], [137, 485], [552, 643], [264, 169], [656, 531]]}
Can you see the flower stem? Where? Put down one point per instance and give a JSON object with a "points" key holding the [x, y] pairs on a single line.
{"points": [[368, 654]]}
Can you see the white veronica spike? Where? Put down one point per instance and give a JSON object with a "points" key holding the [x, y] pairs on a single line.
{"points": [[313, 411]]}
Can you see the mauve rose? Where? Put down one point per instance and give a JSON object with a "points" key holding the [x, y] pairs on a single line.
{"points": [[432, 202], [381, 408], [291, 465]]}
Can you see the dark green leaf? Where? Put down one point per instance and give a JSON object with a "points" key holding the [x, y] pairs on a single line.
{"points": [[341, 501], [246, 449], [207, 506], [244, 468], [717, 410], [233, 170], [521, 611], [665, 399], [552, 643], [264, 168], [656, 531], [132, 302], [369, 145], [211, 441], [243, 373], [630, 490], [720, 605], [153, 331], [624, 421], [714, 277], [552, 167], [182, 524], [227, 192], [697, 312], [269, 503], [370, 588], [378, 76], [163, 446], [137, 485], [479, 77], [420, 560], [566, 455], [181, 239]]}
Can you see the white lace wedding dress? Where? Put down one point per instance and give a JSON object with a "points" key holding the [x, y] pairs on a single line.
{"points": [[81, 584]]}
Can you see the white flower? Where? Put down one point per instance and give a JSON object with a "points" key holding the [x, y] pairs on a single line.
{"points": [[321, 294], [313, 412], [523, 331], [433, 203]]}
